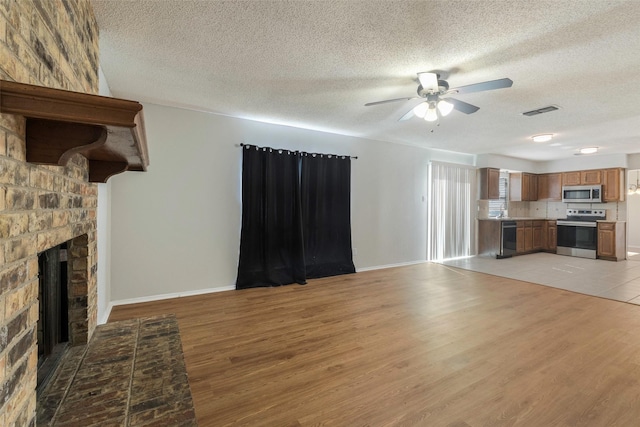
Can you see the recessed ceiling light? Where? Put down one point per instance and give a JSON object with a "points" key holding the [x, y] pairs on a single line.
{"points": [[588, 150], [542, 137]]}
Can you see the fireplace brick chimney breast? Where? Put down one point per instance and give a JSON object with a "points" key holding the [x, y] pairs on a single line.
{"points": [[42, 206]]}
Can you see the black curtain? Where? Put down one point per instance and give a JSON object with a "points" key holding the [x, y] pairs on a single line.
{"points": [[326, 215], [271, 241], [296, 217]]}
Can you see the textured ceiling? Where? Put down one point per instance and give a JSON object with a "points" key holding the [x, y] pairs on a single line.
{"points": [[314, 64]]}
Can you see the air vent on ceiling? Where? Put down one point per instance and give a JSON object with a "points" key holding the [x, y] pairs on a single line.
{"points": [[541, 110]]}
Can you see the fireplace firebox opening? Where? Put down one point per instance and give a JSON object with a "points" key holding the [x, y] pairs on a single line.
{"points": [[53, 320]]}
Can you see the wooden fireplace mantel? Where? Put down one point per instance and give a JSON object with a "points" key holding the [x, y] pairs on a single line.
{"points": [[109, 132]]}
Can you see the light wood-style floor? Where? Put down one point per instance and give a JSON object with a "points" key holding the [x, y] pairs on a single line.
{"points": [[423, 345]]}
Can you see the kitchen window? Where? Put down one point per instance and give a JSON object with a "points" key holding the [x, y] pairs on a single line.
{"points": [[500, 205]]}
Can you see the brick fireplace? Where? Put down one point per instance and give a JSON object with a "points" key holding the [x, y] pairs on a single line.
{"points": [[53, 44]]}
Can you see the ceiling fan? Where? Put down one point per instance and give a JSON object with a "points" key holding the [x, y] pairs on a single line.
{"points": [[435, 93]]}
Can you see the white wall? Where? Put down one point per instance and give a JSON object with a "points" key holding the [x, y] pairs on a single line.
{"points": [[633, 161], [103, 219], [598, 161], [633, 212], [585, 162], [506, 162], [176, 228]]}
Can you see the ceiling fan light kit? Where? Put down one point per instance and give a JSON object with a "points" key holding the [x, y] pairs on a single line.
{"points": [[432, 114], [445, 107], [436, 94], [421, 109]]}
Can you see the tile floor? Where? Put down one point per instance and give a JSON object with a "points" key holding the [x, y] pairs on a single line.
{"points": [[619, 281]]}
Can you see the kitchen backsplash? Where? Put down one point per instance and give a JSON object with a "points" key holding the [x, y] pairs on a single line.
{"points": [[616, 211]]}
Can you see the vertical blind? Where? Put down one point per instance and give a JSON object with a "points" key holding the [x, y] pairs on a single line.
{"points": [[450, 225]]}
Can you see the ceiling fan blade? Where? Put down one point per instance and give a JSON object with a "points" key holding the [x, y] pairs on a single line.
{"points": [[407, 116], [388, 100], [479, 87], [462, 106], [428, 81]]}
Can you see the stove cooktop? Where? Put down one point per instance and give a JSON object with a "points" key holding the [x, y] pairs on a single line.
{"points": [[585, 215]]}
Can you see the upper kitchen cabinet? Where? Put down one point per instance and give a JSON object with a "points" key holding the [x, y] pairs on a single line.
{"points": [[523, 187], [489, 179], [550, 186], [588, 177], [612, 181], [591, 177], [571, 178], [613, 185]]}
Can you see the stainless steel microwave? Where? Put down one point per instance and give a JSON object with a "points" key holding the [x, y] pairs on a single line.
{"points": [[582, 193]]}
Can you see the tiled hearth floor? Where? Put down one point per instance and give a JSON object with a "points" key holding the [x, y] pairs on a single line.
{"points": [[619, 281], [132, 373]]}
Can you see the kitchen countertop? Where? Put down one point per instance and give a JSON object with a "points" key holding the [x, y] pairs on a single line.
{"points": [[538, 219], [519, 218]]}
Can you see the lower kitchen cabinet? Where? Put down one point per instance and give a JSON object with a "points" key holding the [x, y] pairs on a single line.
{"points": [[537, 235], [612, 240], [551, 236], [489, 237], [520, 237], [529, 236], [542, 235]]}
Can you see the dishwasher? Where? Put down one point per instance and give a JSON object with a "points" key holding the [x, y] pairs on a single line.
{"points": [[507, 239]]}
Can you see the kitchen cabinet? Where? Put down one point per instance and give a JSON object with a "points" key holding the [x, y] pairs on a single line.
{"points": [[489, 183], [571, 178], [550, 186], [520, 237], [489, 237], [591, 177], [587, 177], [529, 237], [524, 236], [613, 185], [612, 240], [523, 187], [537, 235], [550, 236], [530, 186], [612, 181]]}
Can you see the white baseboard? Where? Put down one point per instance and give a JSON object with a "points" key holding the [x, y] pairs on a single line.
{"points": [[380, 267], [169, 296], [633, 249], [105, 316]]}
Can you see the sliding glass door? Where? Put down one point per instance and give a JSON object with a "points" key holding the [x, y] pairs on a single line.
{"points": [[450, 225]]}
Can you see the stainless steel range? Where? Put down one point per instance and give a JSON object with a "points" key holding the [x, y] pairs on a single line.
{"points": [[578, 233]]}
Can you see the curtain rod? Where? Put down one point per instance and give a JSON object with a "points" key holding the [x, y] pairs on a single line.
{"points": [[296, 151]]}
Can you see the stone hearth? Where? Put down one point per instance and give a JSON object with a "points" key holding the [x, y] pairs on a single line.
{"points": [[132, 373]]}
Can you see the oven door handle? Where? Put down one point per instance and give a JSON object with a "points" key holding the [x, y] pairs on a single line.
{"points": [[578, 224]]}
